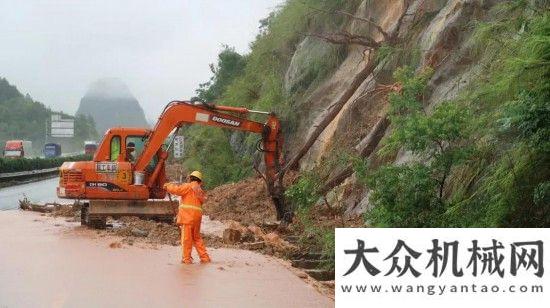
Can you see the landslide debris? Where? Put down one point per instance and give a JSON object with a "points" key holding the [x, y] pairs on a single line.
{"points": [[246, 201], [53, 208], [235, 235], [153, 232], [135, 230]]}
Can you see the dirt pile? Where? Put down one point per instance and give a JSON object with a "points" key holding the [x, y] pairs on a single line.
{"points": [[254, 238], [131, 228], [246, 201]]}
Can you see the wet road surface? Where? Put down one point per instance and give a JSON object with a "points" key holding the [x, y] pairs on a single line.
{"points": [[40, 192], [48, 262]]}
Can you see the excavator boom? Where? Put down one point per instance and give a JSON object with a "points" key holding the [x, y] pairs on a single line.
{"points": [[116, 177]]}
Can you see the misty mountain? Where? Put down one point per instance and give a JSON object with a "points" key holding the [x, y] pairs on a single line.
{"points": [[110, 103]]}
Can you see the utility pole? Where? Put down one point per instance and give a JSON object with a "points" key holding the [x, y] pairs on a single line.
{"points": [[46, 133]]}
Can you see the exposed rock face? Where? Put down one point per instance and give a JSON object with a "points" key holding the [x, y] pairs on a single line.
{"points": [[113, 98], [303, 61], [437, 29]]}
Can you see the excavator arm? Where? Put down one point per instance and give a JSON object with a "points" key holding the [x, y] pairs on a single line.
{"points": [[178, 113]]}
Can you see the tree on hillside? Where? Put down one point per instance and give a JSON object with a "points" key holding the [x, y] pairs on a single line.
{"points": [[209, 148], [230, 64], [7, 91]]}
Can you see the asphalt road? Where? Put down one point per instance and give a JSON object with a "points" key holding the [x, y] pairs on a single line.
{"points": [[40, 192], [49, 262]]}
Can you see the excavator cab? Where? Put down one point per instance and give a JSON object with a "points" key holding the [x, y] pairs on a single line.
{"points": [[110, 174], [125, 145], [107, 183], [114, 146]]}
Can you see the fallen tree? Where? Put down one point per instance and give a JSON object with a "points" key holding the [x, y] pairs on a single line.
{"points": [[334, 109], [364, 149], [57, 209]]}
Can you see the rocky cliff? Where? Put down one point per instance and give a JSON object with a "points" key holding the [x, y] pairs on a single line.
{"points": [[349, 110], [113, 98], [416, 113]]}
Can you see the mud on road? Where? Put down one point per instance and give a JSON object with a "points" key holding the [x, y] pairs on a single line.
{"points": [[52, 262], [132, 231], [135, 230]]}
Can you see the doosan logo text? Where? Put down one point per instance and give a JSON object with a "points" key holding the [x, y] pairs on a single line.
{"points": [[226, 121]]}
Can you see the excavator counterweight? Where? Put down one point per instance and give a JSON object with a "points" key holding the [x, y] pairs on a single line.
{"points": [[120, 181]]}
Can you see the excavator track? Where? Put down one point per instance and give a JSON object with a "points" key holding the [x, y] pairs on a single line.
{"points": [[95, 212], [92, 221]]}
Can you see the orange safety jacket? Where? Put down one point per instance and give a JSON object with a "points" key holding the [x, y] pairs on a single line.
{"points": [[191, 199]]}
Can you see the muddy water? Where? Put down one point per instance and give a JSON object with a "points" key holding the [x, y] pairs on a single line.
{"points": [[46, 262], [42, 191]]}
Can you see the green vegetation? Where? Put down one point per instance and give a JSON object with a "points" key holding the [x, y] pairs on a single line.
{"points": [[17, 165], [208, 149], [486, 153], [261, 86], [304, 195], [256, 81], [23, 118], [412, 194], [230, 65]]}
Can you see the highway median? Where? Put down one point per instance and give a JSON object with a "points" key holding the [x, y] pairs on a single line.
{"points": [[16, 170]]}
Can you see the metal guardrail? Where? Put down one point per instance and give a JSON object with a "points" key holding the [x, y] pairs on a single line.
{"points": [[72, 154], [27, 173]]}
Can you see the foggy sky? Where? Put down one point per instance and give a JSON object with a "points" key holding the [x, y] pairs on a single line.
{"points": [[54, 50]]}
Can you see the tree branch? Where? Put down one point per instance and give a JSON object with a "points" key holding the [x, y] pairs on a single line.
{"points": [[332, 112], [367, 20], [346, 38], [352, 16]]}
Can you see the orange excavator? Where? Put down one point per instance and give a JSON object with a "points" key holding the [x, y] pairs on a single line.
{"points": [[126, 175]]}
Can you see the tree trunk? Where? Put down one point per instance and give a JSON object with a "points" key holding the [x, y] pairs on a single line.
{"points": [[364, 149], [335, 108]]}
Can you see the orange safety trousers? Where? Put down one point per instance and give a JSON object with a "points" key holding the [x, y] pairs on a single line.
{"points": [[191, 236], [189, 218]]}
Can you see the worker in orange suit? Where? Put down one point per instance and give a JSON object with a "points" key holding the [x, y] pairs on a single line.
{"points": [[190, 215]]}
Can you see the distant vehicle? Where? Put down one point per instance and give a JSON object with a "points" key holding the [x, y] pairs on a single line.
{"points": [[18, 149], [90, 147], [52, 150]]}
